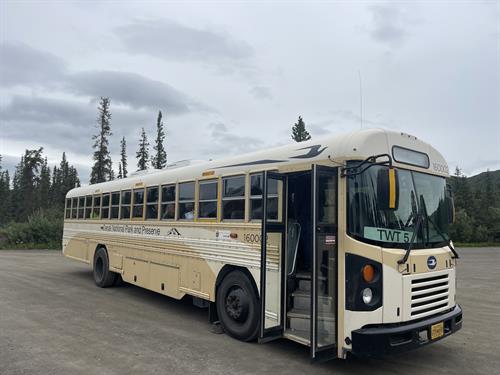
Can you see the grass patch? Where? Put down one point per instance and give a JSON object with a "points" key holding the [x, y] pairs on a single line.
{"points": [[43, 230]]}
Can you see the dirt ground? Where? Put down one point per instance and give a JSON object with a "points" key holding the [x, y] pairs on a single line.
{"points": [[54, 320]]}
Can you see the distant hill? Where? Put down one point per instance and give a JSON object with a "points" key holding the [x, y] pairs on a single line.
{"points": [[477, 182]]}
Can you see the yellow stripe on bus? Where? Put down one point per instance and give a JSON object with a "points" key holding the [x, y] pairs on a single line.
{"points": [[392, 188]]}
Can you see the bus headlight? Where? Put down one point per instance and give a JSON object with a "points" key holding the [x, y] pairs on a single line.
{"points": [[367, 296], [363, 283]]}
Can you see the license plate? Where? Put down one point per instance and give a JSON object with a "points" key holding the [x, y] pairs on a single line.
{"points": [[437, 330]]}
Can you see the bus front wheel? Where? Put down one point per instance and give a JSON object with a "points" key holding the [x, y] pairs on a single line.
{"points": [[103, 277], [238, 306]]}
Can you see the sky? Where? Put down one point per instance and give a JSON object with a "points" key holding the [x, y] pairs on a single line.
{"points": [[233, 77]]}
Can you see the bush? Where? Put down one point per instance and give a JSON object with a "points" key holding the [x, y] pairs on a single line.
{"points": [[44, 228]]}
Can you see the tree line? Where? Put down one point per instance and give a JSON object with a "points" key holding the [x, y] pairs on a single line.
{"points": [[477, 207], [102, 169]]}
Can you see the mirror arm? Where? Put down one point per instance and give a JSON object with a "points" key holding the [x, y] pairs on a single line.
{"points": [[371, 161]]}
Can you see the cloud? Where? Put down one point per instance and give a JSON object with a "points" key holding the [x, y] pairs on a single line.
{"points": [[223, 140], [169, 40], [57, 123], [261, 92], [21, 65], [388, 24], [133, 90]]}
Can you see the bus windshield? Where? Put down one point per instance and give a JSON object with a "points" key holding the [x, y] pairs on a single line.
{"points": [[418, 192]]}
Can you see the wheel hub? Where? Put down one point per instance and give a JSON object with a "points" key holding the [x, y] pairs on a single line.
{"points": [[237, 304]]}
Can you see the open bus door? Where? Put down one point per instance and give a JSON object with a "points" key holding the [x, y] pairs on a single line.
{"points": [[324, 272], [272, 264]]}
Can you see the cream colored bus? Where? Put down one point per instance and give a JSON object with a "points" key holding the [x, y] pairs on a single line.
{"points": [[355, 258]]}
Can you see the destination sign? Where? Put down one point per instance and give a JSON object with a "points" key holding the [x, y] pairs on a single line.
{"points": [[387, 235]]}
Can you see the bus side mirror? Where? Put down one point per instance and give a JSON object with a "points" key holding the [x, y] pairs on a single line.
{"points": [[388, 189], [450, 204]]}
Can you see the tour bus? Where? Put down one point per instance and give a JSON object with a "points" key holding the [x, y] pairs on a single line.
{"points": [[340, 243]]}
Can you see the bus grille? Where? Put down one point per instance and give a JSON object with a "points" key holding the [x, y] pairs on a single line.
{"points": [[429, 295]]}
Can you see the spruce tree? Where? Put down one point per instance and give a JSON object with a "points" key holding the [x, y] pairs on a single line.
{"points": [[299, 132], [143, 154], [159, 160], [123, 158], [120, 173], [102, 168], [26, 181], [44, 186], [5, 212]]}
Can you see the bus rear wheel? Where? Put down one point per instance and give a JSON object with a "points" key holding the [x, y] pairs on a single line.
{"points": [[103, 277], [238, 306]]}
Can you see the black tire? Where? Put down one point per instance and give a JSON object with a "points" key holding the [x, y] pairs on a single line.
{"points": [[238, 306], [103, 277]]}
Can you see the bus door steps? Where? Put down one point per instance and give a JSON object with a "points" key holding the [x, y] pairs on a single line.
{"points": [[300, 320], [302, 301], [304, 280]]}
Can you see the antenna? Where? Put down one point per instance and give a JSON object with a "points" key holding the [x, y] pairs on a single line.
{"points": [[360, 100]]}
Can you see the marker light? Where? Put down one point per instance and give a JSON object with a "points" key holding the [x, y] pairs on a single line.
{"points": [[367, 296], [368, 273]]}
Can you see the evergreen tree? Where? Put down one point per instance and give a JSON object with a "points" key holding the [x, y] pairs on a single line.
{"points": [[5, 212], [102, 168], [26, 181], [159, 160], [299, 132], [44, 186], [123, 158], [120, 173], [143, 154]]}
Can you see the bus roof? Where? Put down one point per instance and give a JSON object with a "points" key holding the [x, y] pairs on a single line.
{"points": [[356, 145]]}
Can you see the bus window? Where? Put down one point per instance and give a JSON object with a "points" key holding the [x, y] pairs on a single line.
{"points": [[74, 203], [88, 206], [96, 211], [125, 206], [207, 199], [152, 202], [68, 208], [256, 198], [168, 202], [81, 207], [233, 198], [138, 208], [115, 205], [186, 201], [105, 206]]}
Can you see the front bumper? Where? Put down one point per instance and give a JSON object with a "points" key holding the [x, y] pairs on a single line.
{"points": [[390, 339]]}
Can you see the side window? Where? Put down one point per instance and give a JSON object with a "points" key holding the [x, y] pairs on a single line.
{"points": [[115, 205], [256, 189], [207, 207], [168, 202], [74, 203], [88, 206], [152, 202], [81, 207], [138, 209], [233, 198], [125, 204], [105, 206], [186, 201], [68, 208], [96, 211]]}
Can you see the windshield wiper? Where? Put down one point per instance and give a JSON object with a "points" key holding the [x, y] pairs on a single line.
{"points": [[438, 230], [415, 233]]}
